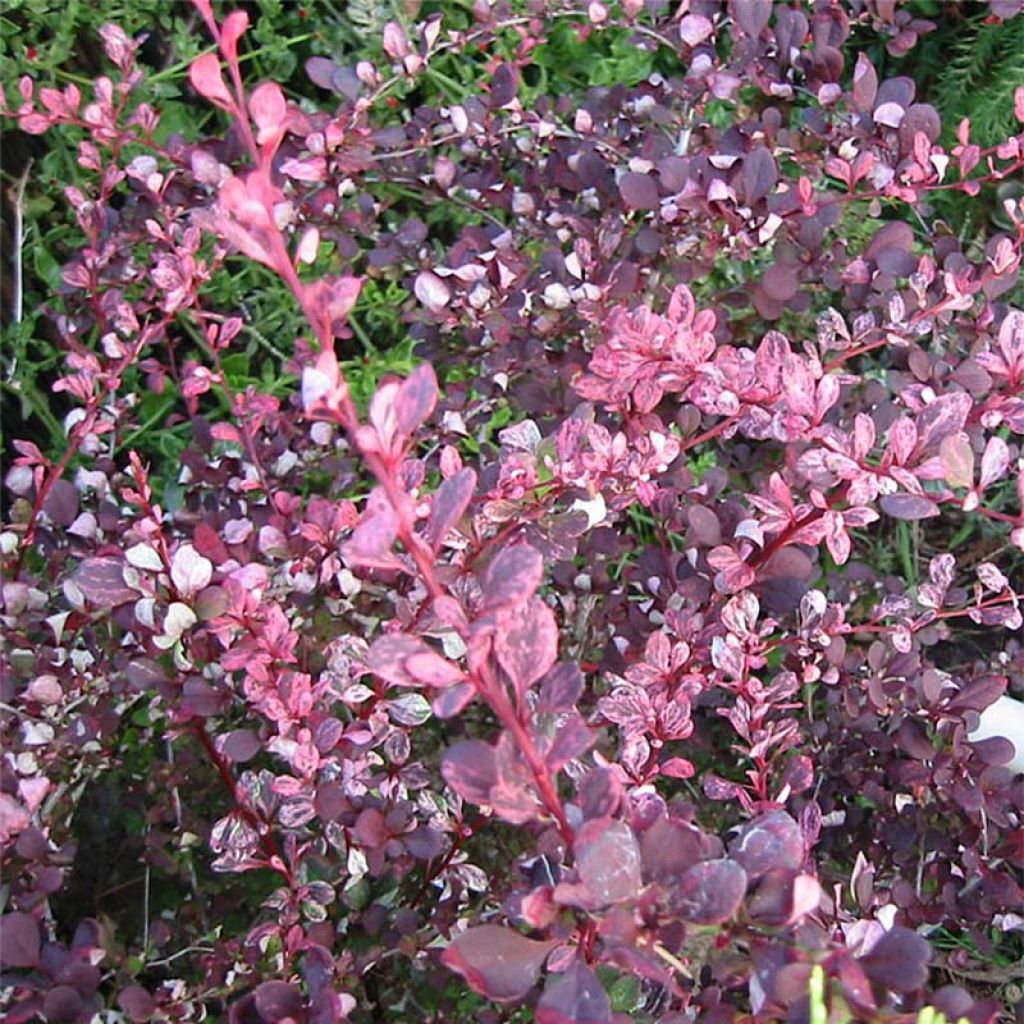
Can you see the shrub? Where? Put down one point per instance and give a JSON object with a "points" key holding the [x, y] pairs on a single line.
{"points": [[628, 675]]}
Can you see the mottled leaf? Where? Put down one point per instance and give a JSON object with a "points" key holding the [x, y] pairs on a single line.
{"points": [[499, 963], [526, 642], [773, 840], [513, 576], [608, 860], [101, 580], [958, 460], [709, 892]]}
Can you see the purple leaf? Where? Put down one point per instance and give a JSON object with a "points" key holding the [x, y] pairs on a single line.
{"points": [[709, 892], [774, 902], [19, 940], [608, 860], [449, 506], [62, 1003], [513, 576], [898, 961], [921, 117], [499, 963], [979, 693], [526, 642], [277, 1000], [240, 745], [574, 997], [780, 281], [760, 174], [450, 701], [62, 503], [470, 769], [773, 840], [416, 399], [600, 793], [136, 1002], [561, 688], [504, 85], [865, 84], [670, 848], [894, 235], [639, 191], [751, 16], [145, 674], [908, 506], [102, 582], [573, 738]]}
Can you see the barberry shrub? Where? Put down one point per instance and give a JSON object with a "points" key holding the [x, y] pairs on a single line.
{"points": [[629, 672]]}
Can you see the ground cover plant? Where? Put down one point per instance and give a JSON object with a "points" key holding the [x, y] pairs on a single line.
{"points": [[565, 589]]}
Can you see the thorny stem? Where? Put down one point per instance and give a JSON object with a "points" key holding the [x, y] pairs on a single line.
{"points": [[108, 384], [267, 841], [496, 696]]}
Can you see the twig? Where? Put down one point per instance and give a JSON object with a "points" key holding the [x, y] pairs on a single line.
{"points": [[18, 197]]}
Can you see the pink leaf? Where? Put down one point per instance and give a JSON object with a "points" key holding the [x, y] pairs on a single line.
{"points": [[432, 291], [396, 45], [407, 661], [694, 29], [231, 31], [205, 75], [269, 110], [499, 963], [837, 540], [330, 300]]}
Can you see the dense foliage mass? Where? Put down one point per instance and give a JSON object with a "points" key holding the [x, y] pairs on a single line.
{"points": [[628, 672]]}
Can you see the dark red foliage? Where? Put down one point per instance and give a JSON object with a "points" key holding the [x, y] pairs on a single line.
{"points": [[633, 685]]}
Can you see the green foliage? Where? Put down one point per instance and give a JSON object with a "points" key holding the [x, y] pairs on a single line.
{"points": [[978, 81]]}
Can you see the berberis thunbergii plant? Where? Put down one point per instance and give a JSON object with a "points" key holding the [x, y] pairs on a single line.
{"points": [[618, 662]]}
